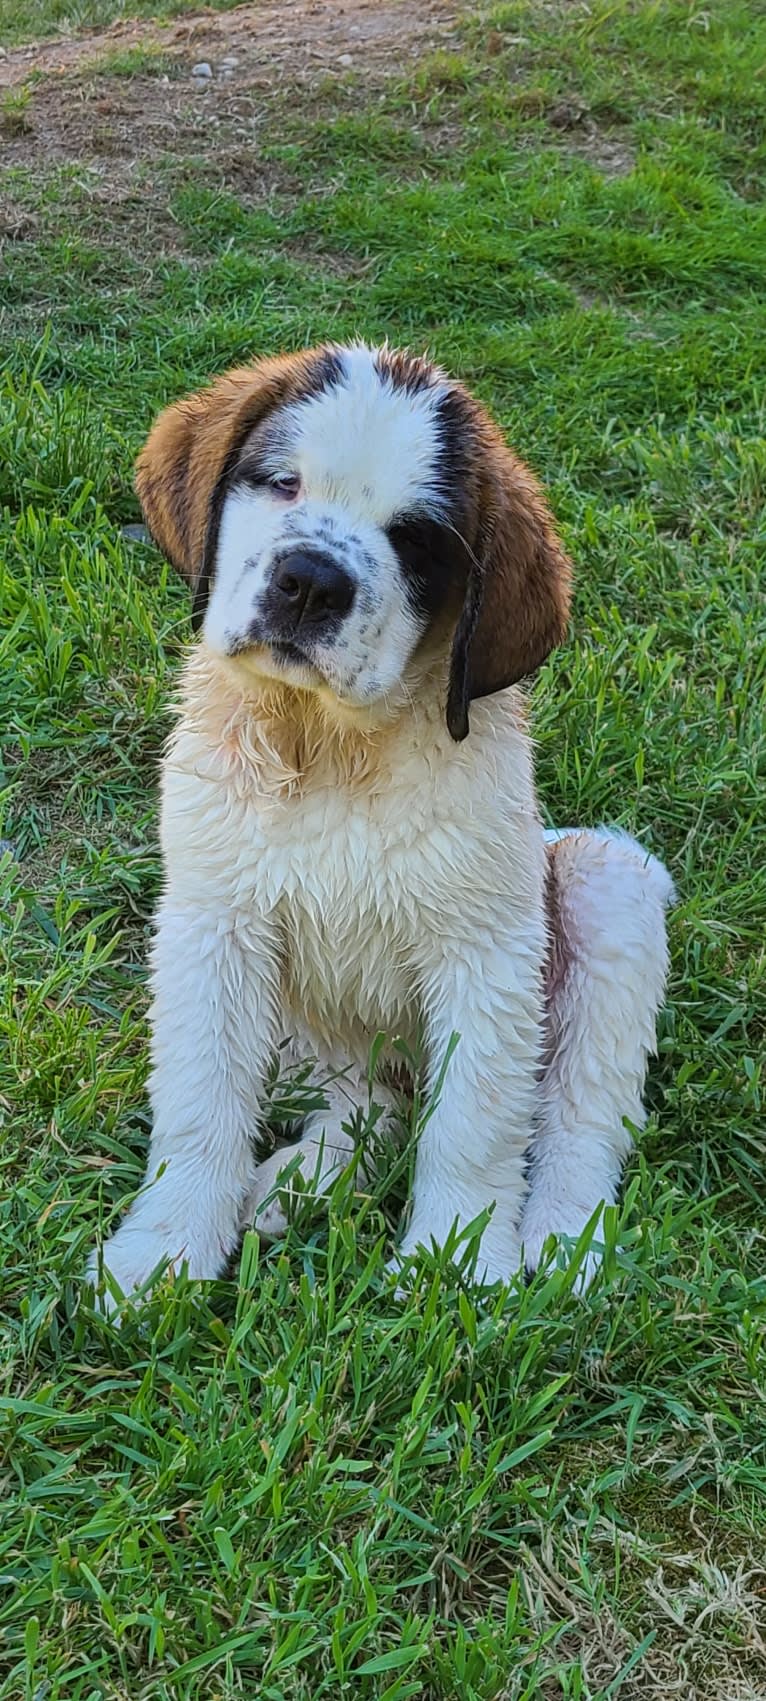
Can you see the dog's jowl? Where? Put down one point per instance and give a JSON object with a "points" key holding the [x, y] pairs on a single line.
{"points": [[350, 832]]}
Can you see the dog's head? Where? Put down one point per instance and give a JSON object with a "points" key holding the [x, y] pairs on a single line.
{"points": [[341, 512]]}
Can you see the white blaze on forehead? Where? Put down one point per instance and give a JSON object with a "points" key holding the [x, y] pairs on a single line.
{"points": [[367, 443]]}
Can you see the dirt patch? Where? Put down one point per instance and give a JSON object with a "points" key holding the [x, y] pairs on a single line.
{"points": [[125, 102], [294, 43], [608, 152], [119, 122]]}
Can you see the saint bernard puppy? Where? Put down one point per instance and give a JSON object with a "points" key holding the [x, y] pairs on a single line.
{"points": [[351, 838]]}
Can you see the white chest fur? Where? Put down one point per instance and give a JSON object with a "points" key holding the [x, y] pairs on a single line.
{"points": [[364, 862]]}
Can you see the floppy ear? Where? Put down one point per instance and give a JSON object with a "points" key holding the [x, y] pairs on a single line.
{"points": [[183, 470], [517, 598]]}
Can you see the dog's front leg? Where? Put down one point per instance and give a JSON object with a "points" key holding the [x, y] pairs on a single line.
{"points": [[214, 1027], [472, 1149]]}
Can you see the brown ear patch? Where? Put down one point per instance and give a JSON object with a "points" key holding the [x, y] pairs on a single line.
{"points": [[518, 594], [191, 450]]}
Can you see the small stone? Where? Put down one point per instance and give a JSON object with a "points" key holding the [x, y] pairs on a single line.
{"points": [[135, 534], [345, 59], [230, 63], [202, 71]]}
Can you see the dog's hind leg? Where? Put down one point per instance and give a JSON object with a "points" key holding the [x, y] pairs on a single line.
{"points": [[326, 1146], [609, 961]]}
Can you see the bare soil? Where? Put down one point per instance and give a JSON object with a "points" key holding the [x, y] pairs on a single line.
{"points": [[86, 105], [293, 41]]}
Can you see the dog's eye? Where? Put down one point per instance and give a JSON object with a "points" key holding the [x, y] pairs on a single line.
{"points": [[287, 486]]}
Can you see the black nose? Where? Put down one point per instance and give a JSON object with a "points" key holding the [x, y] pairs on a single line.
{"points": [[310, 588]]}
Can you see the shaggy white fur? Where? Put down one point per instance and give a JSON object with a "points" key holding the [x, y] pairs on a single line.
{"points": [[336, 865]]}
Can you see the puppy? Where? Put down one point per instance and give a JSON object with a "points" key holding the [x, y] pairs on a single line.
{"points": [[351, 839]]}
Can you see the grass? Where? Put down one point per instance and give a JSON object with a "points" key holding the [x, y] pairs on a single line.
{"points": [[288, 1485], [14, 105]]}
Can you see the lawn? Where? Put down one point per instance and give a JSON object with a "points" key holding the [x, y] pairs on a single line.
{"points": [[290, 1485]]}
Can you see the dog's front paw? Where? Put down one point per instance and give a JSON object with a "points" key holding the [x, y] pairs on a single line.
{"points": [[496, 1251], [139, 1257], [565, 1227]]}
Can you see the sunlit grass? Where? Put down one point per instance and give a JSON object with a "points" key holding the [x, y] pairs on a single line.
{"points": [[291, 1485]]}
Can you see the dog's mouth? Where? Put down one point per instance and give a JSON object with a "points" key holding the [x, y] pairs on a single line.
{"points": [[277, 658], [257, 644]]}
